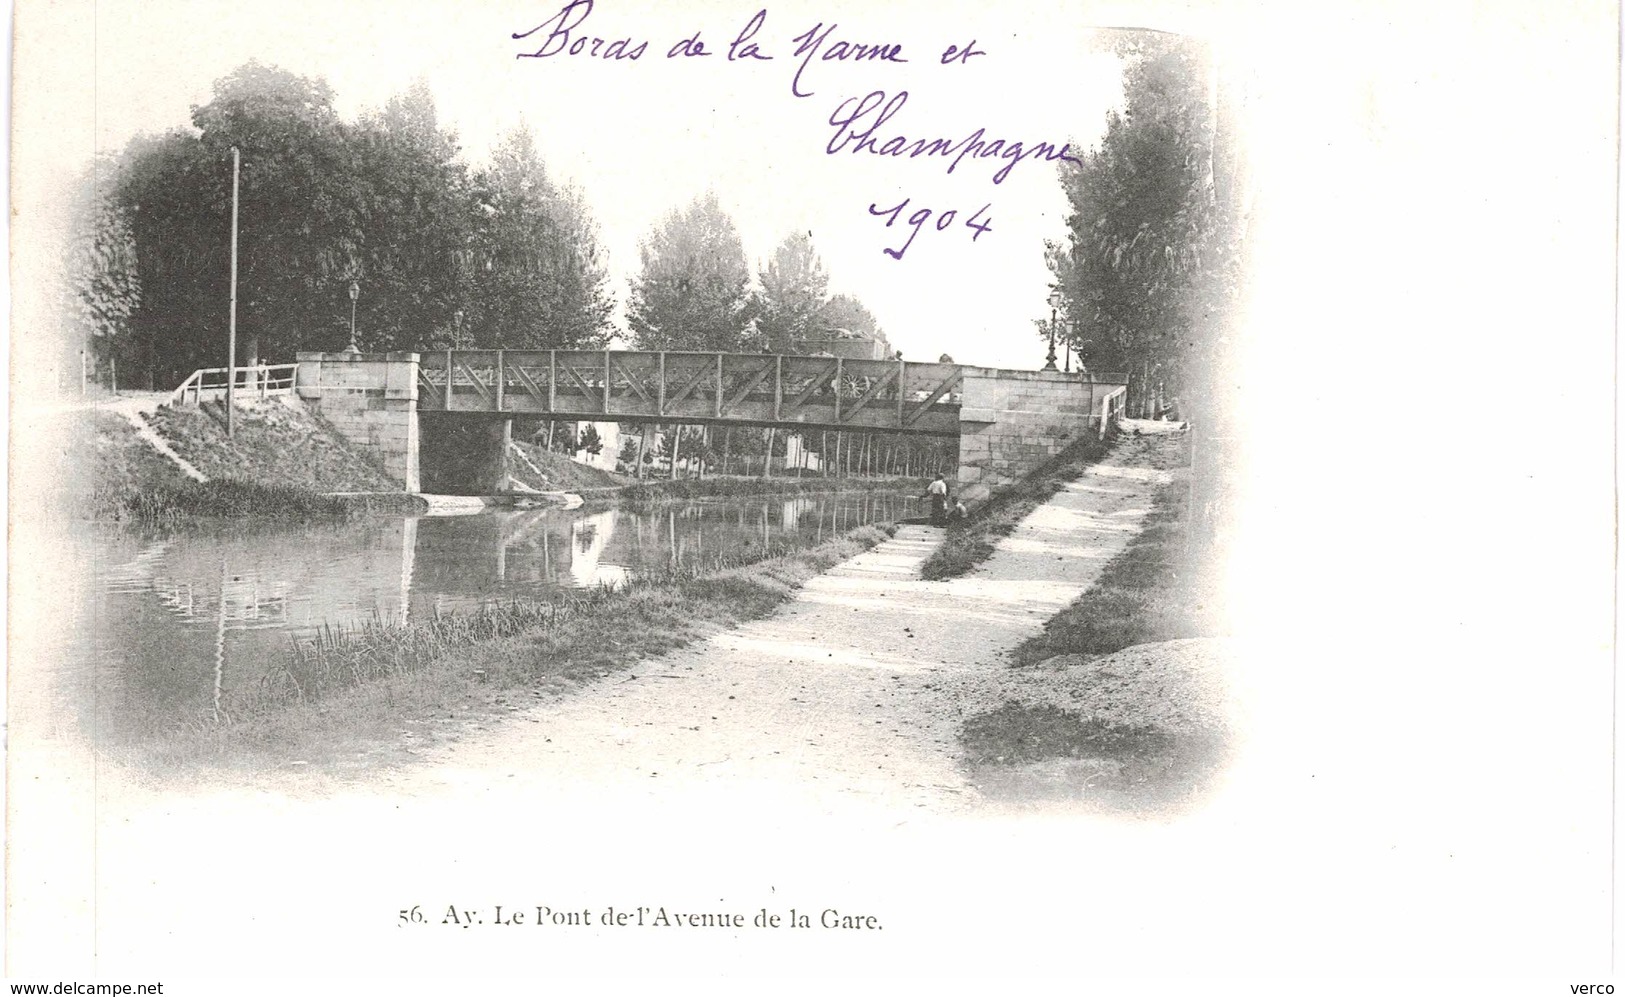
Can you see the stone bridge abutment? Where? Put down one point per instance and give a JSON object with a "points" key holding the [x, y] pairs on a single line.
{"points": [[1012, 421], [372, 400]]}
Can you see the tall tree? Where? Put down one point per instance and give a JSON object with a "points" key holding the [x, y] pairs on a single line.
{"points": [[794, 288], [693, 290], [101, 280], [539, 278], [300, 224], [1143, 232], [169, 191], [587, 306], [412, 265]]}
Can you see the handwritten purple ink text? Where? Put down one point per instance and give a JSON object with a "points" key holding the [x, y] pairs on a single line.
{"points": [[558, 40], [857, 119], [921, 216], [812, 42]]}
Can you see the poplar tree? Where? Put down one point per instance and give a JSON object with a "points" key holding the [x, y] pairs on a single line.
{"points": [[1148, 245], [795, 288], [693, 292]]}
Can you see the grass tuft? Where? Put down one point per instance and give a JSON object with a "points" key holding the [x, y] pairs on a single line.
{"points": [[682, 489], [230, 498], [1018, 732]]}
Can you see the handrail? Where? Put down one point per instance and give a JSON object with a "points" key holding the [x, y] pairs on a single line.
{"points": [[1111, 408], [261, 381], [179, 394]]}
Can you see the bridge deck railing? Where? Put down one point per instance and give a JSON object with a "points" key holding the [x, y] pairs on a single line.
{"points": [[832, 392]]}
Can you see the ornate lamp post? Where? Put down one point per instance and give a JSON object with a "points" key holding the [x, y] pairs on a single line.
{"points": [[1055, 300], [355, 294]]}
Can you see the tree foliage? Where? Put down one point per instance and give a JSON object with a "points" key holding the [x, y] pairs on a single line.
{"points": [[415, 210], [538, 275], [589, 440], [101, 282], [846, 312], [1148, 244], [693, 292], [499, 257], [183, 253], [795, 288], [300, 224]]}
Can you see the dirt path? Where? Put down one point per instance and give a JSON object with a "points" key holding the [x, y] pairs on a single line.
{"points": [[849, 696]]}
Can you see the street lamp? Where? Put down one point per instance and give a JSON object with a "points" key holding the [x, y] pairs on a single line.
{"points": [[355, 293], [1055, 300], [457, 325]]}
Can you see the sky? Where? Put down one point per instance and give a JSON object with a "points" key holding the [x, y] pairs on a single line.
{"points": [[642, 137]]}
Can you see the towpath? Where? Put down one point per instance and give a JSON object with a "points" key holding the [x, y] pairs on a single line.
{"points": [[850, 695]]}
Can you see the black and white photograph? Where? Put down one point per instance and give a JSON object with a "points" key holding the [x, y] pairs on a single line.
{"points": [[876, 495]]}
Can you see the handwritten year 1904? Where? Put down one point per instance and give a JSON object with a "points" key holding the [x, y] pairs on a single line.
{"points": [[976, 222]]}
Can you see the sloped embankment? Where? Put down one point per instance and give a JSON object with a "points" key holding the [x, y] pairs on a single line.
{"points": [[101, 458], [276, 442], [278, 464], [544, 470]]}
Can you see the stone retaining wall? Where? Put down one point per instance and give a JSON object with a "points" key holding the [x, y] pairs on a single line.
{"points": [[372, 399], [1013, 421]]}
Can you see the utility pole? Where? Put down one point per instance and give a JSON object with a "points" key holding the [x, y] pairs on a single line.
{"points": [[231, 341]]}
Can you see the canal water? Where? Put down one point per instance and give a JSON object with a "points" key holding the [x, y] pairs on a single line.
{"points": [[172, 622]]}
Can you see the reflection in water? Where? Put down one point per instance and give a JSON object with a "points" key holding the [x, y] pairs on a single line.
{"points": [[590, 536], [183, 620], [220, 643], [409, 554]]}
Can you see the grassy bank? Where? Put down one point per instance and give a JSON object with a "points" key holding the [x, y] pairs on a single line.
{"points": [[274, 440], [970, 542], [380, 692], [100, 466], [277, 466], [684, 489], [231, 499], [1145, 594], [1117, 714], [546, 470]]}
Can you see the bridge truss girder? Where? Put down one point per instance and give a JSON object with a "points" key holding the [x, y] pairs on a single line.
{"points": [[891, 396]]}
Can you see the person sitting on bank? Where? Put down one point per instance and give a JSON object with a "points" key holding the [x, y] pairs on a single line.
{"points": [[937, 492]]}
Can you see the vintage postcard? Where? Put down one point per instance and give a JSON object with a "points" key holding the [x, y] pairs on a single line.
{"points": [[905, 492]]}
